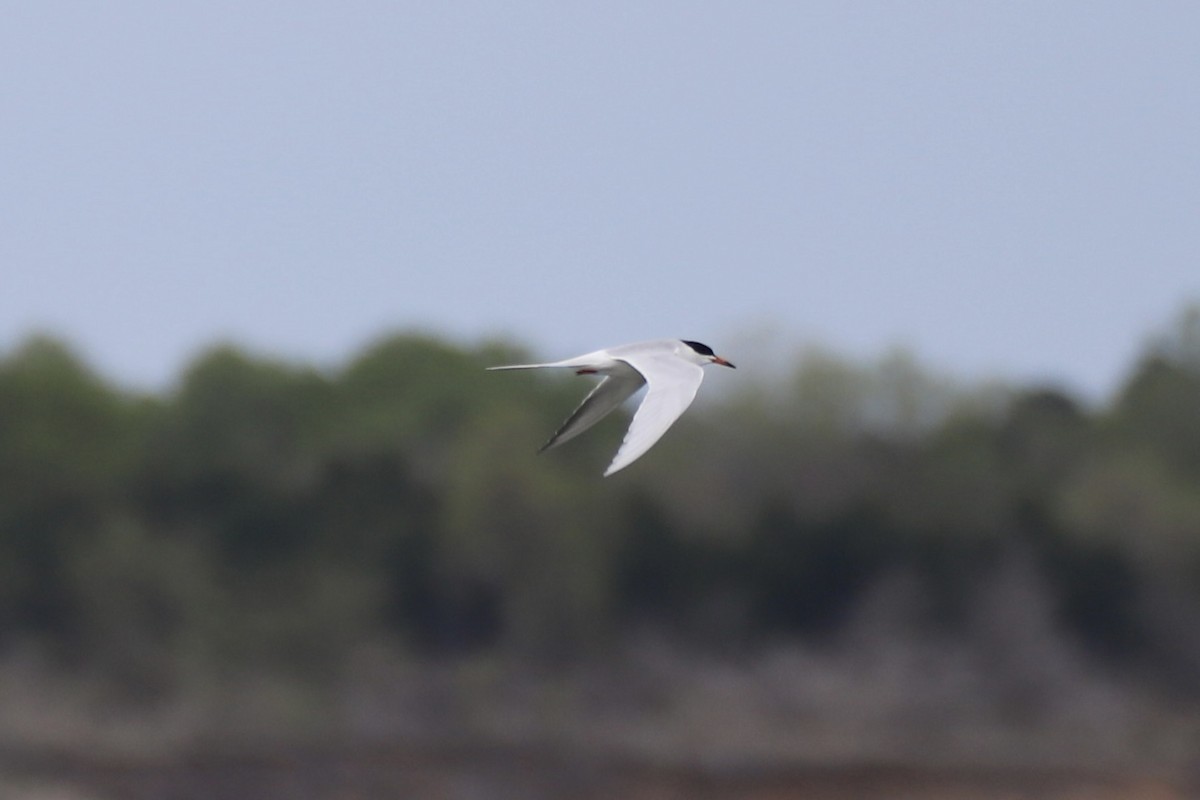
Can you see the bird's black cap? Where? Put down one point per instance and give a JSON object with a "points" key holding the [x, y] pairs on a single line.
{"points": [[702, 349]]}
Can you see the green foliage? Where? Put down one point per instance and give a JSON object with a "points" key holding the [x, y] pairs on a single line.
{"points": [[61, 428], [266, 514], [67, 442]]}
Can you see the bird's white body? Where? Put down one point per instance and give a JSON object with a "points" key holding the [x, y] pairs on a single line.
{"points": [[672, 369]]}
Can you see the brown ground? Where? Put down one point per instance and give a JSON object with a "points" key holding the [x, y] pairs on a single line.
{"points": [[484, 773]]}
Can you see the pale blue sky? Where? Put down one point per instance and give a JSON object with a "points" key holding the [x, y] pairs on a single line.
{"points": [[1007, 188]]}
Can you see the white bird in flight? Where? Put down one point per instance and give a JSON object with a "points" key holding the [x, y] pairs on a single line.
{"points": [[672, 368]]}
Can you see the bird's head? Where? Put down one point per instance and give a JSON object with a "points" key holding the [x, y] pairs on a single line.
{"points": [[702, 354]]}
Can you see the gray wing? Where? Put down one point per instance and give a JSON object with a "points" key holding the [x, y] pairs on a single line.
{"points": [[672, 383], [600, 402]]}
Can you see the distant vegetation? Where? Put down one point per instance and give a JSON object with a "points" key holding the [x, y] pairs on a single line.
{"points": [[269, 516]]}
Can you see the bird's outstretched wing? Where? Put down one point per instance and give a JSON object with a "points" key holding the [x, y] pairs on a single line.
{"points": [[600, 402], [672, 384]]}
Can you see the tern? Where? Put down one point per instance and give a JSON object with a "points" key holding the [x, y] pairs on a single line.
{"points": [[671, 368]]}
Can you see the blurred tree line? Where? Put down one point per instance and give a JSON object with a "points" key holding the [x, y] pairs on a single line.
{"points": [[266, 515]]}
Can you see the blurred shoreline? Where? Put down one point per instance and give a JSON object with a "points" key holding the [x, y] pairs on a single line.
{"points": [[282, 572], [660, 723]]}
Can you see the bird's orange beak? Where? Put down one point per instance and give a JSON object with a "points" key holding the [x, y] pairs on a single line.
{"points": [[723, 362]]}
